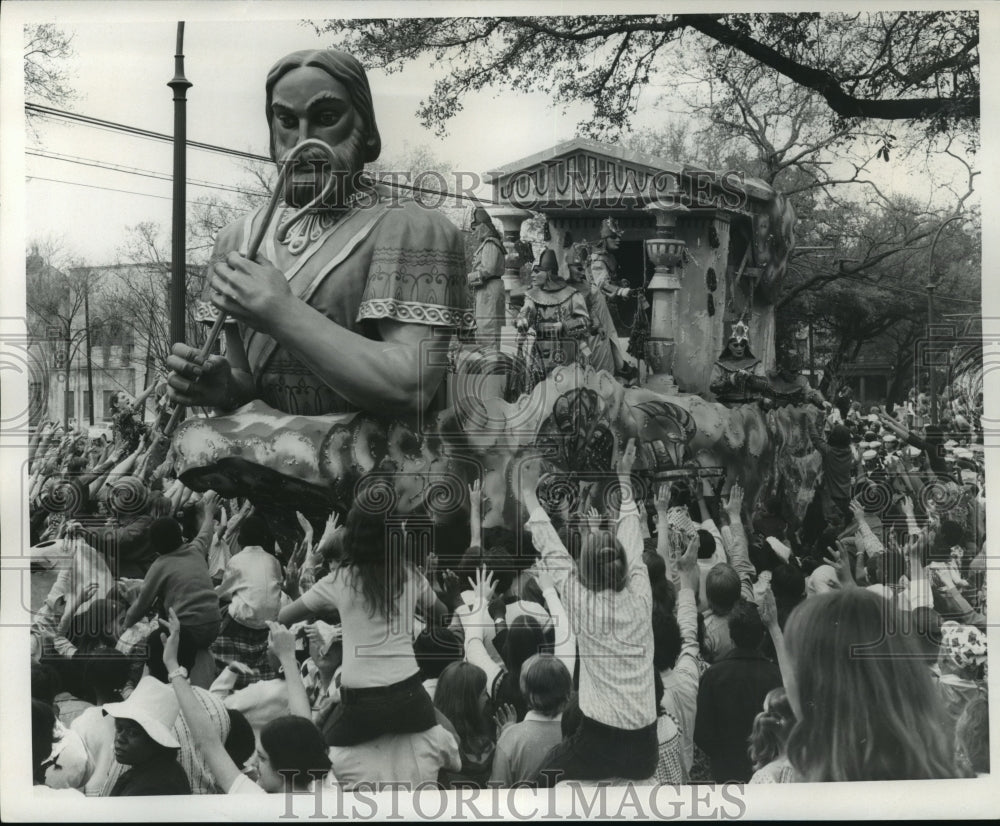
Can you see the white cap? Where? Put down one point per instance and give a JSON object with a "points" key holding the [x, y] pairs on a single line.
{"points": [[868, 455]]}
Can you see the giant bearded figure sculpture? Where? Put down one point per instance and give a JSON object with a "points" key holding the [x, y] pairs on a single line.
{"points": [[337, 316]]}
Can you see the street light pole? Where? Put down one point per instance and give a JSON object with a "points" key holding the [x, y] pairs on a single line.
{"points": [[931, 377], [178, 253]]}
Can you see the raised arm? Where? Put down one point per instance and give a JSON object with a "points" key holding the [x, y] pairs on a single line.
{"points": [[769, 614], [865, 540], [476, 514], [476, 622], [207, 505], [565, 639], [629, 529], [739, 553], [554, 556], [662, 528], [282, 643], [210, 746]]}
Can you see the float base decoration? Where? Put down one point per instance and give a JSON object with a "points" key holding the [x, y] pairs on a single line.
{"points": [[285, 463], [578, 418]]}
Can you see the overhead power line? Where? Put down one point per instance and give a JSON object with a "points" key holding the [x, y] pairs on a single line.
{"points": [[114, 126], [106, 188], [131, 170], [62, 114]]}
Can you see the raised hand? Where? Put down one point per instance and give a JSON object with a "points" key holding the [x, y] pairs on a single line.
{"points": [[839, 561], [857, 511], [689, 559], [484, 585], [593, 520], [505, 716], [171, 641], [663, 499], [281, 642], [768, 608], [208, 502], [448, 587], [627, 460], [307, 528], [735, 504]]}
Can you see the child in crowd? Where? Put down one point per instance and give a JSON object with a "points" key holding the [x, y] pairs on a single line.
{"points": [[251, 585], [768, 739], [376, 595], [521, 748], [179, 579]]}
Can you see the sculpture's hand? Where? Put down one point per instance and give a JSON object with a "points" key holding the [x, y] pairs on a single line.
{"points": [[193, 381], [253, 292]]}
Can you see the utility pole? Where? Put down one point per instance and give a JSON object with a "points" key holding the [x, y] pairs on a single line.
{"points": [[178, 254], [931, 377]]}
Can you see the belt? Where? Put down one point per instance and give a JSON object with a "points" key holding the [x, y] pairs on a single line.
{"points": [[369, 692]]}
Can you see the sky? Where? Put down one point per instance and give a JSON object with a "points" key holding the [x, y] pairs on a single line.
{"points": [[124, 58], [121, 71]]}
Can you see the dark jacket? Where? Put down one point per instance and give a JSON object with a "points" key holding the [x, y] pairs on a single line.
{"points": [[125, 547], [731, 693], [160, 776]]}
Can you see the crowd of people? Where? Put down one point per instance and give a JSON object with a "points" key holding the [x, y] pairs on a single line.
{"points": [[673, 633]]}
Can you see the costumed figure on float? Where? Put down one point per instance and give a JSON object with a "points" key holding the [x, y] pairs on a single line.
{"points": [[555, 315]]}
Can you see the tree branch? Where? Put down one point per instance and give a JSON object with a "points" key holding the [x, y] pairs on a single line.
{"points": [[823, 82]]}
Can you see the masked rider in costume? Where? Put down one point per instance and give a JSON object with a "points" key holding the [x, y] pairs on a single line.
{"points": [[557, 313]]}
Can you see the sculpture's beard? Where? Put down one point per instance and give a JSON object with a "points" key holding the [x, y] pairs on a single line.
{"points": [[306, 180]]}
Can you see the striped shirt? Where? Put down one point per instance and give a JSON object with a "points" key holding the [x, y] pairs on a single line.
{"points": [[614, 630]]}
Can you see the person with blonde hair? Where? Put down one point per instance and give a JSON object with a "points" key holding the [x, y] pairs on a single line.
{"points": [[864, 701], [768, 739]]}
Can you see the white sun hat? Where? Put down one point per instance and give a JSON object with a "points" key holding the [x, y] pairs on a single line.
{"points": [[153, 706]]}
